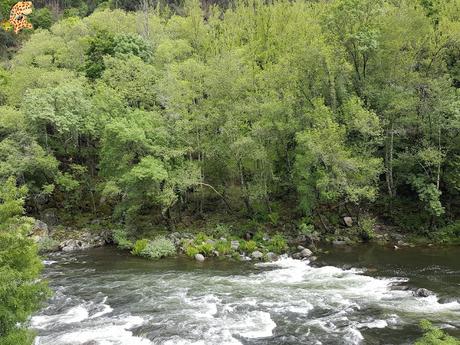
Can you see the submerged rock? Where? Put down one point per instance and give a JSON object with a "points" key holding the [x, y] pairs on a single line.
{"points": [[422, 292], [339, 242], [296, 256], [199, 257]]}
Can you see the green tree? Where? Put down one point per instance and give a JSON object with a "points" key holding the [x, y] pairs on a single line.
{"points": [[20, 291]]}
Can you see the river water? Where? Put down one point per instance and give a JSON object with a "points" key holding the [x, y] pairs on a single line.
{"points": [[350, 296]]}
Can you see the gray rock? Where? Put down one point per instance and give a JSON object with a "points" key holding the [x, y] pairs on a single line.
{"points": [[446, 300], [245, 258], [257, 255], [313, 258], [271, 256], [86, 241], [348, 221], [339, 243], [305, 253], [300, 248], [296, 256], [39, 231], [199, 257], [422, 292], [235, 244]]}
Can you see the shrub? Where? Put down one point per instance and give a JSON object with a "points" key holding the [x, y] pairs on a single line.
{"points": [[277, 244], [205, 248], [159, 248], [224, 247], [435, 336], [201, 237], [248, 246], [191, 250], [48, 244], [221, 230], [367, 228], [259, 236], [121, 239], [139, 247]]}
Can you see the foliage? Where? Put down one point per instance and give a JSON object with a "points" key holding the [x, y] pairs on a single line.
{"points": [[434, 336], [139, 247], [158, 248], [277, 244], [120, 238], [248, 246], [21, 292], [366, 225], [262, 112]]}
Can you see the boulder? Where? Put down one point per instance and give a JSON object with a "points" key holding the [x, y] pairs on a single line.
{"points": [[348, 221], [86, 240], [235, 245], [199, 257], [271, 256], [422, 292], [296, 256], [248, 236], [446, 300], [39, 231], [300, 248], [257, 255], [313, 258], [305, 253]]}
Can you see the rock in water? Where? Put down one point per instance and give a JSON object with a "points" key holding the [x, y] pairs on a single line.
{"points": [[272, 256], [199, 257], [305, 253], [257, 255], [348, 221], [422, 292]]}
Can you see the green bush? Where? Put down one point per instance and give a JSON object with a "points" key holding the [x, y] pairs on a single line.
{"points": [[200, 238], [139, 247], [366, 226], [205, 248], [191, 250], [120, 238], [434, 336], [224, 247], [48, 245], [159, 248], [248, 246], [277, 244]]}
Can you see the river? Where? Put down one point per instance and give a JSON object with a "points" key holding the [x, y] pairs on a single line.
{"points": [[104, 296]]}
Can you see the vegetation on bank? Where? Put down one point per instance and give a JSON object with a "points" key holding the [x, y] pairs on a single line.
{"points": [[435, 336], [21, 293]]}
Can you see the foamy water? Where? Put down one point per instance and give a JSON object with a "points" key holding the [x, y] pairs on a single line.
{"points": [[285, 302]]}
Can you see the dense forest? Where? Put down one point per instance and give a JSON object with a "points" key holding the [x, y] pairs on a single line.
{"points": [[306, 110], [286, 115]]}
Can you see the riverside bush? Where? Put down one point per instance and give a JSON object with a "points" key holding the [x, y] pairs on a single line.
{"points": [[277, 244], [159, 248], [435, 336], [248, 246], [120, 238], [139, 247]]}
